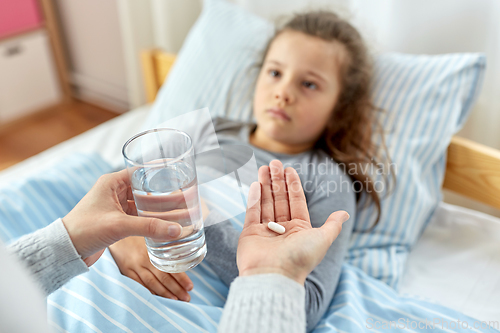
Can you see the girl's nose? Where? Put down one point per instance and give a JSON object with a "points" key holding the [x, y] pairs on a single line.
{"points": [[284, 95], [279, 97]]}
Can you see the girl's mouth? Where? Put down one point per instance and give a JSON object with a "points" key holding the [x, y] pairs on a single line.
{"points": [[278, 113]]}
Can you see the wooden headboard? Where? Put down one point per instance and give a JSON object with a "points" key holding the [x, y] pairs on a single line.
{"points": [[472, 169]]}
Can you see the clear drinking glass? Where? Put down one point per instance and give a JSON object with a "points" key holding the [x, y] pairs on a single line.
{"points": [[161, 166]]}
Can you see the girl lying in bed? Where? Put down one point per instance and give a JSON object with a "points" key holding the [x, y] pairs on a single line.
{"points": [[313, 112]]}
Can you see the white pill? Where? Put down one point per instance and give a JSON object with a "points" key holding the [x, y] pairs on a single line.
{"points": [[276, 227]]}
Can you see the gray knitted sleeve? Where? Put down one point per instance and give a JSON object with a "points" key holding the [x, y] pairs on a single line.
{"points": [[50, 256], [264, 303]]}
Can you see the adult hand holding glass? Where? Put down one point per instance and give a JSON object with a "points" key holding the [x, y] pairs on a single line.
{"points": [[279, 197], [107, 214]]}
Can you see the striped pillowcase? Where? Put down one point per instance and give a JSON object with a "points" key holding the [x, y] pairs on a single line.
{"points": [[32, 203], [427, 99]]}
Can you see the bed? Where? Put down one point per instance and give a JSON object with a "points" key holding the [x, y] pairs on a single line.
{"points": [[451, 273], [438, 254]]}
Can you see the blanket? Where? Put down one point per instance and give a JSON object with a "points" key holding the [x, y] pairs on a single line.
{"points": [[103, 300]]}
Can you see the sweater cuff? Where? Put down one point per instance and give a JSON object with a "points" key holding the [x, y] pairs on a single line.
{"points": [[50, 256], [264, 303]]}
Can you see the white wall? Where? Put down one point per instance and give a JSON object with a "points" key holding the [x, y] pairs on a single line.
{"points": [[446, 26], [172, 20]]}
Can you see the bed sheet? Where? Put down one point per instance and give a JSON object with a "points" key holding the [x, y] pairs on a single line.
{"points": [[456, 262]]}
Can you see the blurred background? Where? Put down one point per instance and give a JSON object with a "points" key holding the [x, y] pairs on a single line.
{"points": [[69, 65]]}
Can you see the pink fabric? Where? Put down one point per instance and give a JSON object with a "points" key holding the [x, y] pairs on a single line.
{"points": [[18, 15]]}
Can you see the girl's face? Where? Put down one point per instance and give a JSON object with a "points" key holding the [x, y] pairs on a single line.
{"points": [[297, 89]]}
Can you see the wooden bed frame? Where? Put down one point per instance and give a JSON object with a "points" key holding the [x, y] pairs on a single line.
{"points": [[472, 169]]}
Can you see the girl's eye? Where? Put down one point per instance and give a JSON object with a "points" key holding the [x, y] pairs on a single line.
{"points": [[309, 85], [274, 73]]}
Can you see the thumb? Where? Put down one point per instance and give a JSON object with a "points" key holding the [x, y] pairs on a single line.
{"points": [[333, 225], [151, 227]]}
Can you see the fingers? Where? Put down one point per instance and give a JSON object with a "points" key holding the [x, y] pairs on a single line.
{"points": [[296, 197], [171, 285], [130, 194], [147, 227], [333, 225], [131, 208], [134, 276], [267, 200], [205, 211], [181, 216], [183, 280], [123, 176], [150, 281], [132, 259], [174, 200], [281, 206], [253, 206], [117, 181]]}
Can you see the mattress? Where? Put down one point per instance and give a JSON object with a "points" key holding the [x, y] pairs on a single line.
{"points": [[456, 262]]}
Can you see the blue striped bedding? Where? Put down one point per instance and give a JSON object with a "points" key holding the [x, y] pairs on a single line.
{"points": [[103, 300]]}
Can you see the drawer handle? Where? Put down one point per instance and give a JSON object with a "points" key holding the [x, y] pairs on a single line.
{"points": [[13, 50]]}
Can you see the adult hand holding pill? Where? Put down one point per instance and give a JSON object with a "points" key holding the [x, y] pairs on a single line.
{"points": [[278, 197]]}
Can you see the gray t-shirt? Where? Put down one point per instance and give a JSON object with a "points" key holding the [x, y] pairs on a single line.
{"points": [[327, 189]]}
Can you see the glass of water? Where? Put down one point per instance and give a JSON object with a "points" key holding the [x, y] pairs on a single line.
{"points": [[161, 166]]}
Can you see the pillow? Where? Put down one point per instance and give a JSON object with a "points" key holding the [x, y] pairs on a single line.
{"points": [[34, 202], [217, 66], [427, 99]]}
